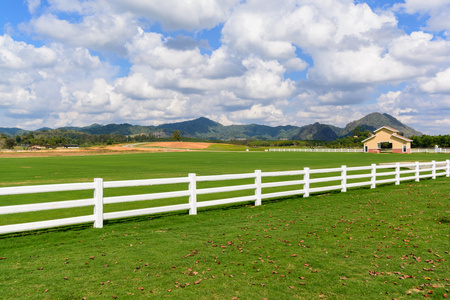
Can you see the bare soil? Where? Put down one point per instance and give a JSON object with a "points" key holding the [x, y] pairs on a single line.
{"points": [[115, 149]]}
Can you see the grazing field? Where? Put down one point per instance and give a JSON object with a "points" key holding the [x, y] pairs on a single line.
{"points": [[385, 243]]}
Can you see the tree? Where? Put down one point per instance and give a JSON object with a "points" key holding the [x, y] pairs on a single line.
{"points": [[10, 143], [176, 135]]}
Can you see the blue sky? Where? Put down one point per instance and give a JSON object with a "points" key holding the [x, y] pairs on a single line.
{"points": [[78, 62]]}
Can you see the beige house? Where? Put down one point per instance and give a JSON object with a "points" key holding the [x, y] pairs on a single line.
{"points": [[400, 144]]}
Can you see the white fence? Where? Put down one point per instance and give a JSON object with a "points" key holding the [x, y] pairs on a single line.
{"points": [[305, 182], [430, 150], [353, 150]]}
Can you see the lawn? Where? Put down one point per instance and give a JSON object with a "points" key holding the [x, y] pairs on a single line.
{"points": [[67, 169], [385, 243]]}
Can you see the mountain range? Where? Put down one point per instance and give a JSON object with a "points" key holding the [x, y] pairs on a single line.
{"points": [[204, 128]]}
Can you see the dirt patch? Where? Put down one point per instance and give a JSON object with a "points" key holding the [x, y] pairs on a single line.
{"points": [[56, 152], [115, 149], [179, 145]]}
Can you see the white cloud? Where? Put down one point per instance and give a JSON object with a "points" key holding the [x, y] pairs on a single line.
{"points": [[173, 14], [259, 112], [420, 111], [33, 5], [264, 80], [97, 32], [149, 49], [420, 49], [438, 84], [253, 72], [38, 82], [19, 55], [438, 11]]}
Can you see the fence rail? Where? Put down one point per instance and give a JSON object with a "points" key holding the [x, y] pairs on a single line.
{"points": [[350, 150], [430, 150], [302, 182], [354, 150]]}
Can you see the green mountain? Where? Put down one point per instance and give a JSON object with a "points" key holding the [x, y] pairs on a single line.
{"points": [[204, 128], [318, 132], [195, 127], [376, 120], [12, 131]]}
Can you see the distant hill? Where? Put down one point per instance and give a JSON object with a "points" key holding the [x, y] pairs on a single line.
{"points": [[12, 131], [376, 120], [318, 132], [205, 128], [194, 127]]}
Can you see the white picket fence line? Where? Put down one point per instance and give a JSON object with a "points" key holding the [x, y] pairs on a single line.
{"points": [[302, 186], [430, 150], [352, 150]]}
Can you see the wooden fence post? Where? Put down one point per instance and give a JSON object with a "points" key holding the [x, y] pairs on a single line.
{"points": [[417, 171], [344, 179], [98, 203], [433, 169], [374, 176], [193, 193], [258, 190], [397, 173], [306, 184]]}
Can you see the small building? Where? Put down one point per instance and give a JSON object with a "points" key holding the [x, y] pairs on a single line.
{"points": [[400, 144]]}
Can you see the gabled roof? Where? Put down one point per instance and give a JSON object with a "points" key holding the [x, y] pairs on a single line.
{"points": [[394, 134], [372, 136], [388, 128], [401, 137]]}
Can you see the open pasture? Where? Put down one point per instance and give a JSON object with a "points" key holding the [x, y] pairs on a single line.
{"points": [[391, 242]]}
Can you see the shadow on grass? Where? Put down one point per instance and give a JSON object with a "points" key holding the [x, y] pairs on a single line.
{"points": [[445, 220], [144, 218], [75, 227], [225, 207]]}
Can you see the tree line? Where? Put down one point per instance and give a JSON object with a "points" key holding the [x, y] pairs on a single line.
{"points": [[428, 141], [65, 138], [69, 138]]}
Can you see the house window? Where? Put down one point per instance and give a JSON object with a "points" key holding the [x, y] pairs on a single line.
{"points": [[366, 148], [404, 148]]}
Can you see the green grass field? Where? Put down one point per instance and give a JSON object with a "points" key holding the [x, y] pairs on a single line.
{"points": [[385, 243]]}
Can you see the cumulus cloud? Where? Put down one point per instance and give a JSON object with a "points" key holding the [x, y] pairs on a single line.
{"points": [[33, 5], [264, 80], [19, 55], [289, 62], [37, 82], [174, 15], [97, 32], [259, 112], [437, 10], [438, 84], [421, 111]]}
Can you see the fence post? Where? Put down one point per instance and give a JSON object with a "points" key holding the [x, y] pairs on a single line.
{"points": [[397, 173], [193, 193], [448, 167], [306, 184], [417, 171], [98, 203], [344, 179], [374, 176], [258, 190], [433, 169]]}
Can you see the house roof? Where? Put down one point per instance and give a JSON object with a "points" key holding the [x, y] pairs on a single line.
{"points": [[394, 134], [388, 128], [372, 136], [401, 137]]}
